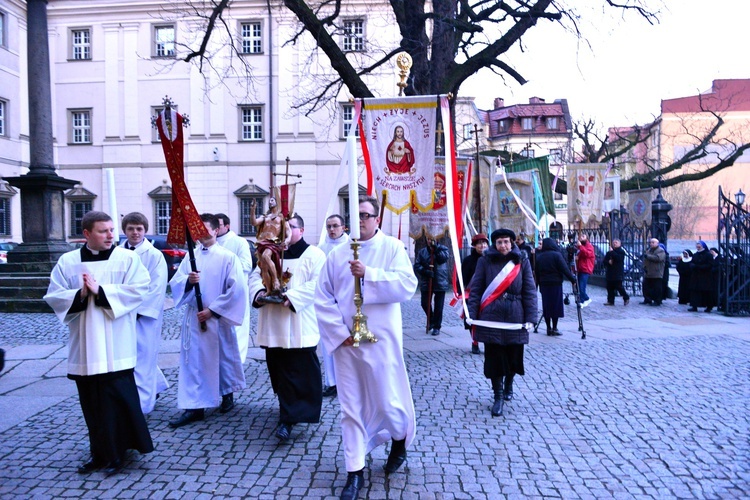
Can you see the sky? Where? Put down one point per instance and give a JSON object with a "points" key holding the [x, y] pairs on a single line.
{"points": [[630, 65]]}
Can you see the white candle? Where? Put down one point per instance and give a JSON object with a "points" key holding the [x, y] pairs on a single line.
{"points": [[351, 148]]}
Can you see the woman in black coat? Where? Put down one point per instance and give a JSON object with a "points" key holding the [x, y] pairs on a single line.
{"points": [[551, 270], [701, 279], [512, 301], [683, 269]]}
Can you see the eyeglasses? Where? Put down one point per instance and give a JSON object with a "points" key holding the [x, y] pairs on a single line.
{"points": [[366, 216], [332, 226]]}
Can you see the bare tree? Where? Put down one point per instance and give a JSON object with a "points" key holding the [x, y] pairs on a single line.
{"points": [[706, 145], [448, 40], [686, 198]]}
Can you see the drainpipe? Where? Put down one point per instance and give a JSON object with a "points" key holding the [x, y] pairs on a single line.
{"points": [[271, 144]]}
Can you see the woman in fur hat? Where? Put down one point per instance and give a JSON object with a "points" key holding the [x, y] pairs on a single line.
{"points": [[502, 298]]}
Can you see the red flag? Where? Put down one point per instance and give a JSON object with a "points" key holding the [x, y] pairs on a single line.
{"points": [[184, 213]]}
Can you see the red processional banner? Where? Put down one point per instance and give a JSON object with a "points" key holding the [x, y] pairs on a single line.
{"points": [[184, 214]]}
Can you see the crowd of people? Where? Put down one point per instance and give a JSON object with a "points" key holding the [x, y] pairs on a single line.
{"points": [[111, 297]]}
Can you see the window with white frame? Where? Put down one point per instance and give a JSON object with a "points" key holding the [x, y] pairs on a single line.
{"points": [[78, 208], [246, 228], [503, 125], [347, 120], [5, 216], [79, 126], [354, 35], [163, 40], [552, 123], [251, 123], [251, 37], [468, 131], [3, 118], [80, 44], [527, 123], [162, 214], [555, 156], [527, 153]]}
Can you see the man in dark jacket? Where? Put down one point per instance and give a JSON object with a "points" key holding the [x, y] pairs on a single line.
{"points": [[614, 268], [431, 267], [653, 267]]}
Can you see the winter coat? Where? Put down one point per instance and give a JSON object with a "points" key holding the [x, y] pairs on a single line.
{"points": [[586, 258], [517, 305], [551, 268], [469, 265], [653, 262], [614, 264], [701, 277], [441, 281]]}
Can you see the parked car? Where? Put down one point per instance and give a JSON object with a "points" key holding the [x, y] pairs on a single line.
{"points": [[5, 247], [173, 254]]}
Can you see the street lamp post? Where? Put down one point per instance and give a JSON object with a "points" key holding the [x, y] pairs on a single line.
{"points": [[739, 197]]}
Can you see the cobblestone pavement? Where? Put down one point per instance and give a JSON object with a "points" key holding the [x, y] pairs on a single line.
{"points": [[653, 404]]}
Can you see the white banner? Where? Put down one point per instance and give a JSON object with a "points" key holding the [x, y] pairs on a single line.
{"points": [[585, 191], [400, 137]]}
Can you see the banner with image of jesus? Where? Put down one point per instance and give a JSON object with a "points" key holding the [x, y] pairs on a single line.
{"points": [[399, 149]]}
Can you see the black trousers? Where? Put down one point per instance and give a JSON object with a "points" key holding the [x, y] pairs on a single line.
{"points": [[112, 410], [616, 286], [436, 311], [295, 378], [652, 289]]}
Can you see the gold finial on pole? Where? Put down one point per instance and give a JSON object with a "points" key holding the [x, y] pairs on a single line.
{"points": [[404, 62]]}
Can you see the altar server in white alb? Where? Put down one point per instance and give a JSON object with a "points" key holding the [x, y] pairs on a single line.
{"points": [[96, 292], [373, 385], [210, 366], [240, 247], [335, 236], [148, 377], [288, 332]]}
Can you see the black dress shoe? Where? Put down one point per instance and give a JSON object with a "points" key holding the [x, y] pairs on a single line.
{"points": [[396, 458], [113, 467], [330, 391], [284, 431], [354, 482], [89, 466], [227, 402], [187, 417], [435, 332], [475, 349]]}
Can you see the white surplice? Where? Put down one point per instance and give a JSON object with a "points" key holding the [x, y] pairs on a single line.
{"points": [[240, 247], [101, 340], [373, 385], [279, 326], [148, 377], [210, 364], [329, 365]]}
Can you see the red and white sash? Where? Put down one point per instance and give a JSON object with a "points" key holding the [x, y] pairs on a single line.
{"points": [[500, 284]]}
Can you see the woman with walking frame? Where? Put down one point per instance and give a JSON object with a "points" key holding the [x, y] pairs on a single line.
{"points": [[503, 306]]}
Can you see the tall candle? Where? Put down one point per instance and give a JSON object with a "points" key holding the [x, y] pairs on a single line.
{"points": [[351, 148]]}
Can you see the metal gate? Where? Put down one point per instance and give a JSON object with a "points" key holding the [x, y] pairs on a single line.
{"points": [[734, 242], [634, 241]]}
